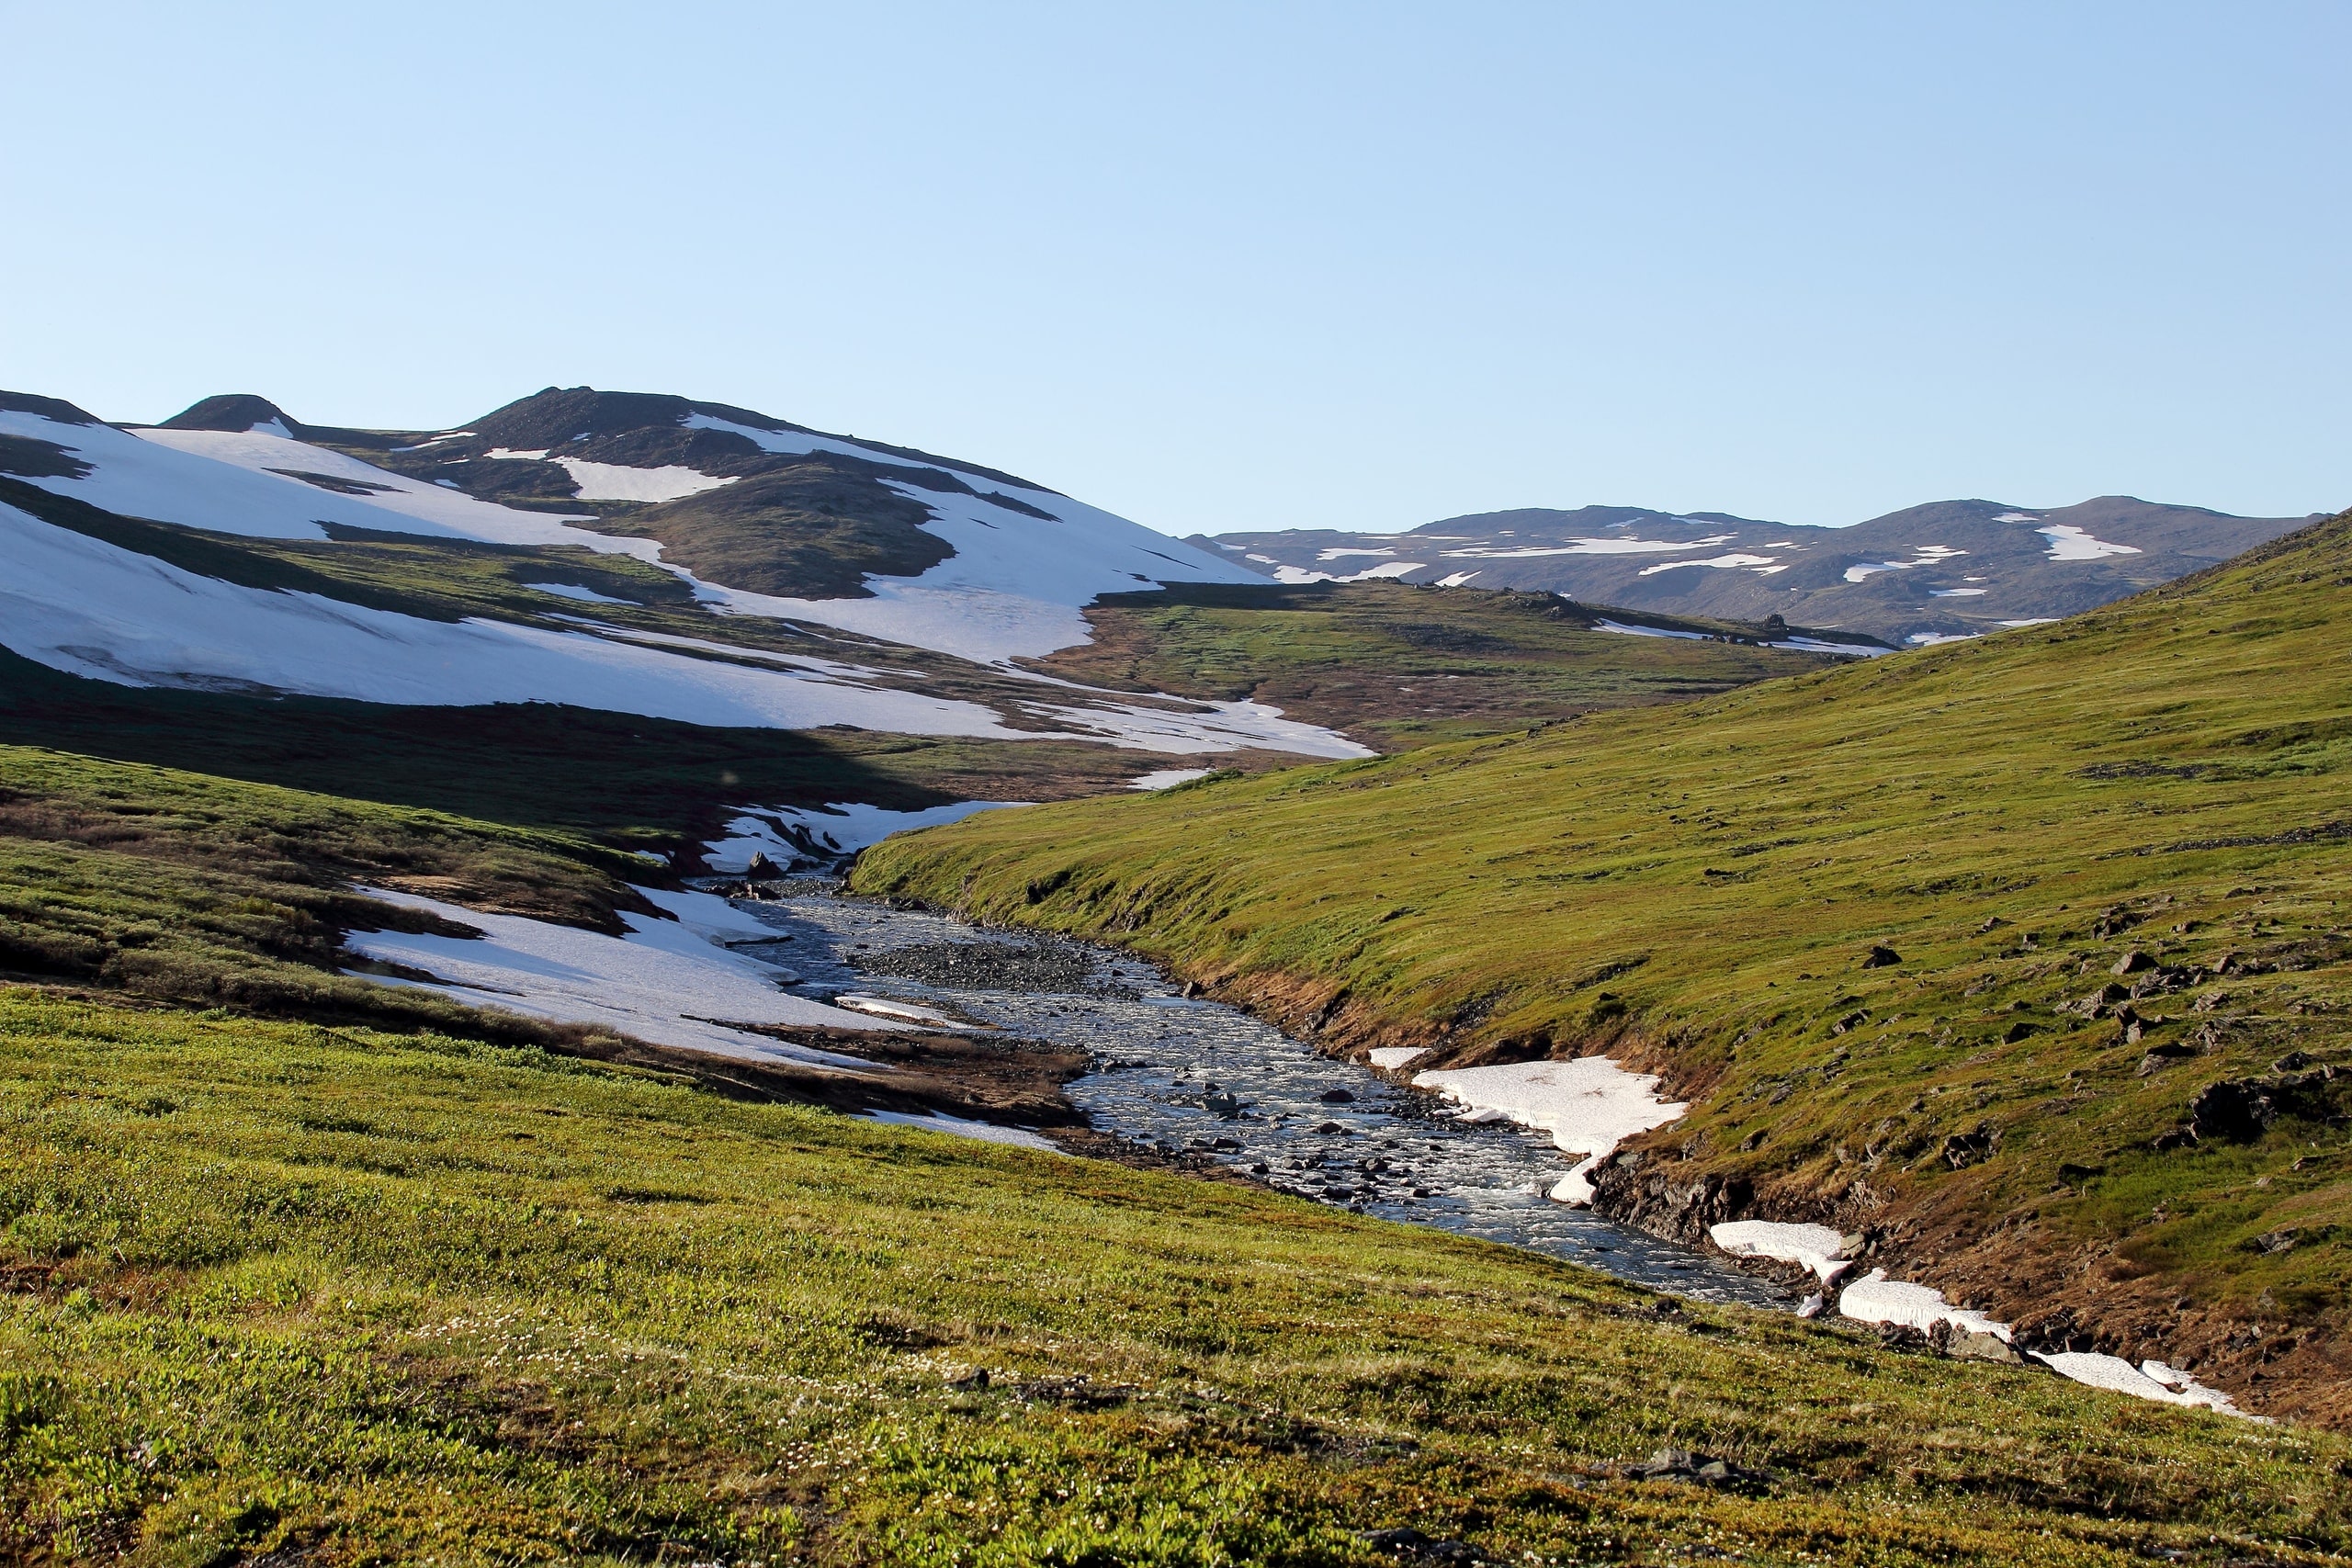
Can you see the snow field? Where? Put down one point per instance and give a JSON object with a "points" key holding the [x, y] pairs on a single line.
{"points": [[91, 608], [1168, 778], [1016, 583], [667, 981]]}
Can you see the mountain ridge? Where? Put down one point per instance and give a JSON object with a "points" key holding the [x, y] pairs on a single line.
{"points": [[1922, 574]]}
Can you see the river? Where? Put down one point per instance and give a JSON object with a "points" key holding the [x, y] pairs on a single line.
{"points": [[1197, 1076]]}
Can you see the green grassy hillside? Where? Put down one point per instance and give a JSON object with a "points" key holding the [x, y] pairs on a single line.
{"points": [[2149, 800], [209, 892], [1396, 666], [277, 1294]]}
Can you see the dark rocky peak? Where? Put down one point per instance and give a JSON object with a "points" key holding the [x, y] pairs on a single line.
{"points": [[232, 411], [558, 416], [56, 409]]}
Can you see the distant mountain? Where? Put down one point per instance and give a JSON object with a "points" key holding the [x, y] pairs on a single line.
{"points": [[894, 543], [1945, 569]]}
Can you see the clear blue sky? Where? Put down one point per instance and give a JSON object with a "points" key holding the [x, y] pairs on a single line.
{"points": [[1245, 267]]}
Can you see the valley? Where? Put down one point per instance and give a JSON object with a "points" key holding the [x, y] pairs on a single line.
{"points": [[1948, 950], [427, 1016]]}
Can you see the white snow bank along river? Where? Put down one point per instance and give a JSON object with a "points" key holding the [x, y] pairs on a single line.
{"points": [[1874, 1298], [795, 835], [1589, 1106], [985, 1131], [1815, 1246], [672, 982]]}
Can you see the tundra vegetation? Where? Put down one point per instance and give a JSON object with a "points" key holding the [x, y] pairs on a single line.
{"points": [[281, 1292], [2027, 958]]}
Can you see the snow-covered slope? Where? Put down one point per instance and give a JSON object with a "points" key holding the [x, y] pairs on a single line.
{"points": [[1020, 561], [1012, 566]]}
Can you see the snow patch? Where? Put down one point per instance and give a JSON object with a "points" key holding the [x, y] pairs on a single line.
{"points": [[1928, 555], [666, 981], [1582, 546], [986, 1131], [2070, 543], [1588, 1106], [618, 481], [1455, 580], [1818, 645], [1723, 563], [1647, 631], [798, 835], [1815, 1246], [1874, 1298], [573, 591], [1168, 778], [891, 1008], [1955, 593], [1296, 574], [2141, 1381], [1207, 727], [1391, 1057]]}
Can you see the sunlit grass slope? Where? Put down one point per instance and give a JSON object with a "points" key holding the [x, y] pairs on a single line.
{"points": [[1395, 665], [274, 1293], [1698, 887], [183, 887]]}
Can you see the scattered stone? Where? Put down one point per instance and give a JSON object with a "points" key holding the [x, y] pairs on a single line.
{"points": [[1338, 1097], [1881, 956], [1407, 1542], [761, 869], [1964, 1149], [1947, 1338], [2132, 962], [1036, 967], [1681, 1465], [1328, 1128]]}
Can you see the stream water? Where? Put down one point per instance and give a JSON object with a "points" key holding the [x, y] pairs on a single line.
{"points": [[1191, 1076]]}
